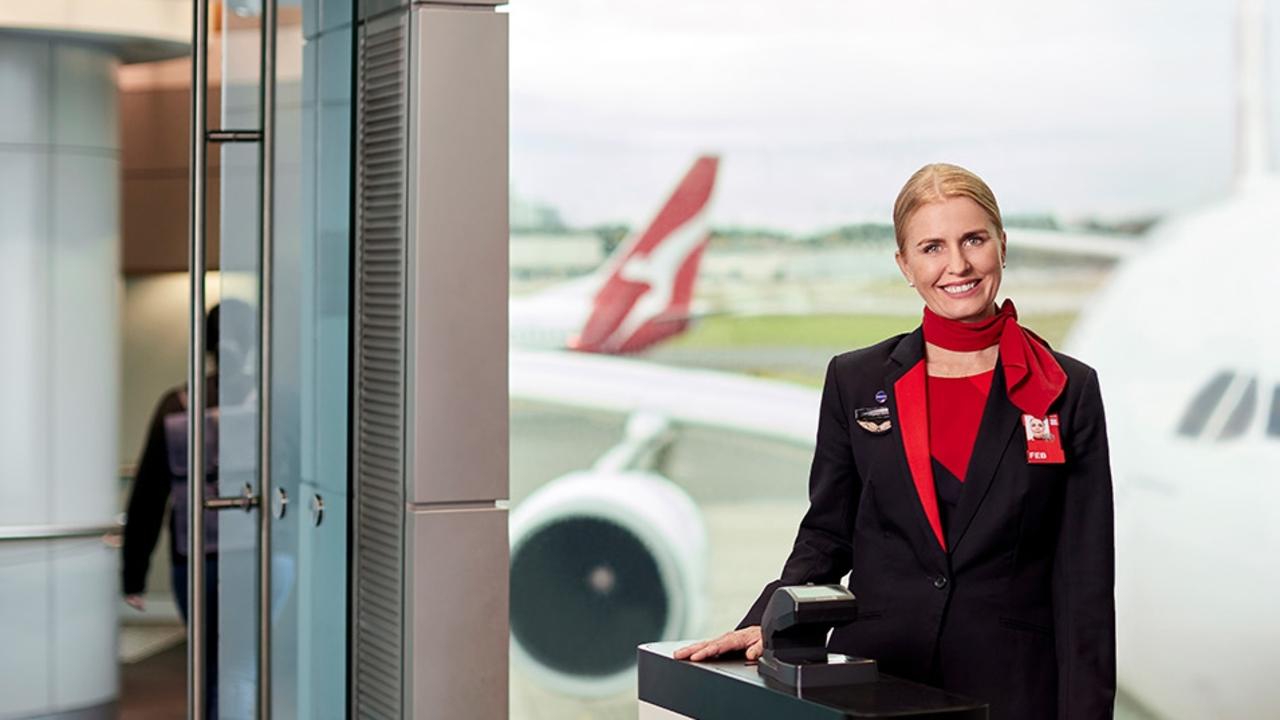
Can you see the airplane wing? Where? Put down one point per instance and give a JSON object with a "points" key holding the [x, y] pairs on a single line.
{"points": [[708, 398]]}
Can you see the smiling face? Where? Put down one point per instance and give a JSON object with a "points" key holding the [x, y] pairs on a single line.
{"points": [[1037, 428], [952, 253]]}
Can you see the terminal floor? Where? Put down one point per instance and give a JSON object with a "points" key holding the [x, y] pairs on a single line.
{"points": [[155, 688]]}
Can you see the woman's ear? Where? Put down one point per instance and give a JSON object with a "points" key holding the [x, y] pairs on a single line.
{"points": [[1004, 247], [902, 267]]}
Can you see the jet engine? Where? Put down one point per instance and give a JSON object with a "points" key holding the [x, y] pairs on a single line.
{"points": [[601, 561]]}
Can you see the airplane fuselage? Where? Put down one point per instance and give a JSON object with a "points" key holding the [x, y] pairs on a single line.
{"points": [[1186, 351]]}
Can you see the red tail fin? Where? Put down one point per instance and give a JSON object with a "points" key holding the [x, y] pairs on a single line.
{"points": [[646, 296]]}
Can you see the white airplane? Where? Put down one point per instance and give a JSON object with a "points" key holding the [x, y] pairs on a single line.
{"points": [[1188, 353], [641, 295], [1189, 360]]}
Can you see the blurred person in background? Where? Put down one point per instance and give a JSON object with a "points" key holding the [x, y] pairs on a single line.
{"points": [[161, 477], [979, 566]]}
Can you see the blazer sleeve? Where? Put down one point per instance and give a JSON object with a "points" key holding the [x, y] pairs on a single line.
{"points": [[147, 502], [822, 552], [1084, 568]]}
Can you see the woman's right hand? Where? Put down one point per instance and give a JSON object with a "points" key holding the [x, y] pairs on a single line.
{"points": [[748, 638]]}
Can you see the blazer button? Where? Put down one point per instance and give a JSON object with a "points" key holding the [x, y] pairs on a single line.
{"points": [[940, 581]]}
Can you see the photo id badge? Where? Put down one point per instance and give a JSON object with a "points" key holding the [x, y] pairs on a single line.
{"points": [[1044, 440]]}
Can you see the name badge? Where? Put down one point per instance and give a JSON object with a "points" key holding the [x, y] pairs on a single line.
{"points": [[1044, 440], [874, 420]]}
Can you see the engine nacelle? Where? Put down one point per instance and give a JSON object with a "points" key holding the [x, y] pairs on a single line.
{"points": [[601, 562]]}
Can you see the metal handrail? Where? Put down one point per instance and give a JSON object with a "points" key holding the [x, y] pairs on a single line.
{"points": [[21, 533]]}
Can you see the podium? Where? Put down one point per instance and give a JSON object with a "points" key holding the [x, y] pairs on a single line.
{"points": [[733, 689]]}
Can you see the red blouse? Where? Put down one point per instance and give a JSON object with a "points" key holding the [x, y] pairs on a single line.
{"points": [[955, 411]]}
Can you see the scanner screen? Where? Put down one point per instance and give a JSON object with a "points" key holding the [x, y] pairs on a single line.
{"points": [[816, 593]]}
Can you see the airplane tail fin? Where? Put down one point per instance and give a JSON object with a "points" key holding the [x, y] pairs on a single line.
{"points": [[1252, 151], [648, 287]]}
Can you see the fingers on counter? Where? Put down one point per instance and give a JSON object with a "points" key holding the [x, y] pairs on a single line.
{"points": [[708, 650], [686, 651]]}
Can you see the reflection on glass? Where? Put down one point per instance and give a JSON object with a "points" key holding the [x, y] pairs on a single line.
{"points": [[307, 387], [236, 638], [309, 359]]}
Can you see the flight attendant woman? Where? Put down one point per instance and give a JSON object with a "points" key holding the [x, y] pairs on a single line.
{"points": [[961, 476]]}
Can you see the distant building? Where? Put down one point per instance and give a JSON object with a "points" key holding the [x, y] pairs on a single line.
{"points": [[530, 216], [547, 255]]}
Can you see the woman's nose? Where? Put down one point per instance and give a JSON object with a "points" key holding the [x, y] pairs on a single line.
{"points": [[957, 263]]}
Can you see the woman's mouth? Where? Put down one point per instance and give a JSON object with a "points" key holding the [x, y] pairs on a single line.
{"points": [[960, 290]]}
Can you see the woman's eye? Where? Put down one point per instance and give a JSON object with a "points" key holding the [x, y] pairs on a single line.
{"points": [[930, 248], [975, 239]]}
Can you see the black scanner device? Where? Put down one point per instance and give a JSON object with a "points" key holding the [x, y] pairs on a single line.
{"points": [[795, 627]]}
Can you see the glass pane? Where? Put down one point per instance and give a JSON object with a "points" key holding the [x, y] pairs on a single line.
{"points": [[1204, 404], [1273, 422], [1238, 421], [683, 466], [235, 603], [309, 360]]}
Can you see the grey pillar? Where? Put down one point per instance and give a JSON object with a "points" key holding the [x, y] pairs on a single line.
{"points": [[430, 396]]}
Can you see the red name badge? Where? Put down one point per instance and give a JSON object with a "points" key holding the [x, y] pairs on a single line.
{"points": [[1044, 440]]}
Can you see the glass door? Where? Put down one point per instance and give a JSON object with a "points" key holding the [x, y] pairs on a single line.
{"points": [[299, 287], [310, 380]]}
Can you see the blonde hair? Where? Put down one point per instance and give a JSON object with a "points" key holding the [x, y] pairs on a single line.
{"points": [[936, 182]]}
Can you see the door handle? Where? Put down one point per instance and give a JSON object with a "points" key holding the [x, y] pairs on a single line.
{"points": [[245, 501]]}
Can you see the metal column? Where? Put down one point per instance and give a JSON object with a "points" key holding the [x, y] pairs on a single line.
{"points": [[195, 370]]}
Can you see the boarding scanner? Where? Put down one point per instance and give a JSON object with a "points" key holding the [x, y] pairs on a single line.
{"points": [[794, 628]]}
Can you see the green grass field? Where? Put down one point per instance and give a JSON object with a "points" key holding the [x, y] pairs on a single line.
{"points": [[824, 331]]}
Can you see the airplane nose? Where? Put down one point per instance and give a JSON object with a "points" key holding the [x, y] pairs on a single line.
{"points": [[584, 593]]}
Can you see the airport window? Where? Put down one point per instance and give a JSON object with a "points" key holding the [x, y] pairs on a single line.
{"points": [[1203, 405]]}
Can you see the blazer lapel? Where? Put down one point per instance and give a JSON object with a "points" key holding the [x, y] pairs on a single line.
{"points": [[999, 421], [909, 406]]}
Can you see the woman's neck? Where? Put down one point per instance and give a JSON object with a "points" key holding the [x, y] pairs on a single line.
{"points": [[941, 362]]}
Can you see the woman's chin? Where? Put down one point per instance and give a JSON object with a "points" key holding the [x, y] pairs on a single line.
{"points": [[965, 310]]}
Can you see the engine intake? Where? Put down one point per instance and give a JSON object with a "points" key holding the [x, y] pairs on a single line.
{"points": [[601, 562]]}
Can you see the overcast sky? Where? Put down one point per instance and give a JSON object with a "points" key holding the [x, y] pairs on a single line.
{"points": [[820, 110]]}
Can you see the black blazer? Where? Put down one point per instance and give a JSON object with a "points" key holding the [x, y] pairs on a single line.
{"points": [[1018, 609]]}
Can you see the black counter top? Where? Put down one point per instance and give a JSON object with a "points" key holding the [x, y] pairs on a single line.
{"points": [[733, 689]]}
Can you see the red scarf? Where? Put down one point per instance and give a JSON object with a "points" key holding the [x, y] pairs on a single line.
{"points": [[1032, 375]]}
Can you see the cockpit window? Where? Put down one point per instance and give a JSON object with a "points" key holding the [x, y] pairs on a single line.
{"points": [[1203, 405], [1238, 421], [1224, 408], [1273, 424]]}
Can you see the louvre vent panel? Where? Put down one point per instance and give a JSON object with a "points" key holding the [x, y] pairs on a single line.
{"points": [[380, 336]]}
